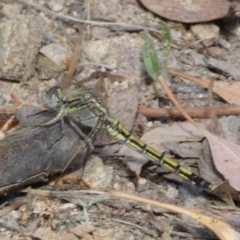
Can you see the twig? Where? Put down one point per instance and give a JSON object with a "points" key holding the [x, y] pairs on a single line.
{"points": [[220, 228], [136, 226], [68, 18], [16, 99], [74, 59], [97, 65], [47, 193], [6, 127], [176, 103], [193, 112], [88, 17], [188, 77], [7, 110], [9, 122], [12, 206]]}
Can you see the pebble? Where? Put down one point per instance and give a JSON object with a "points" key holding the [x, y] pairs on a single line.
{"points": [[56, 6], [67, 206], [208, 33], [97, 50], [14, 215], [149, 124], [12, 10], [117, 186], [142, 181], [130, 186], [100, 32], [96, 175]]}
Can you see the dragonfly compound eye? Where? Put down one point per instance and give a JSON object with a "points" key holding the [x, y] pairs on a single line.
{"points": [[53, 98]]}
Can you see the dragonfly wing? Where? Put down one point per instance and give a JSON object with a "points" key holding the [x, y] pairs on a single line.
{"points": [[48, 69]]}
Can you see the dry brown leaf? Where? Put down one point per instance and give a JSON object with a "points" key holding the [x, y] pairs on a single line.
{"points": [[229, 91], [226, 193], [226, 156], [188, 11], [206, 166]]}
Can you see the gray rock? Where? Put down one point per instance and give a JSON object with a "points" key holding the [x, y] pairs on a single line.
{"points": [[16, 36]]}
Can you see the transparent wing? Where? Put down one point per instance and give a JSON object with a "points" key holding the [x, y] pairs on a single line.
{"points": [[48, 69], [79, 113]]}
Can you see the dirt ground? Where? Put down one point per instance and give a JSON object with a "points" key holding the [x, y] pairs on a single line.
{"points": [[82, 37]]}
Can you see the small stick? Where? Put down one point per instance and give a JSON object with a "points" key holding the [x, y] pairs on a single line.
{"points": [[193, 112], [69, 18], [74, 59], [16, 99]]}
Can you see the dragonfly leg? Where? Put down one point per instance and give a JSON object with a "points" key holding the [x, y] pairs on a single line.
{"points": [[161, 159], [78, 130], [62, 130], [58, 118], [60, 115]]}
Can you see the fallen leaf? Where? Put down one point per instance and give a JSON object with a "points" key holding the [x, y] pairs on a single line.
{"points": [[226, 156], [226, 193], [206, 165], [188, 11]]}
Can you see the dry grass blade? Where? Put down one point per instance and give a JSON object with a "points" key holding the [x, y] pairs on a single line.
{"points": [[74, 59], [223, 230], [193, 112], [77, 20]]}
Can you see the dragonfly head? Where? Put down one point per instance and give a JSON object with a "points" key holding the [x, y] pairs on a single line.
{"points": [[53, 98]]}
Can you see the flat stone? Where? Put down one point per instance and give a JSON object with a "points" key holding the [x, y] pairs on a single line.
{"points": [[96, 51], [188, 11], [12, 10], [17, 35]]}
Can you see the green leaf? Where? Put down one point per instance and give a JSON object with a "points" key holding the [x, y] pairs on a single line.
{"points": [[166, 50], [149, 54], [150, 58]]}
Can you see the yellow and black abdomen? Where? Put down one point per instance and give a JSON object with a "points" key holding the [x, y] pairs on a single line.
{"points": [[121, 134]]}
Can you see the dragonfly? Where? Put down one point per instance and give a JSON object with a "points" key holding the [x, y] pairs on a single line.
{"points": [[86, 109]]}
